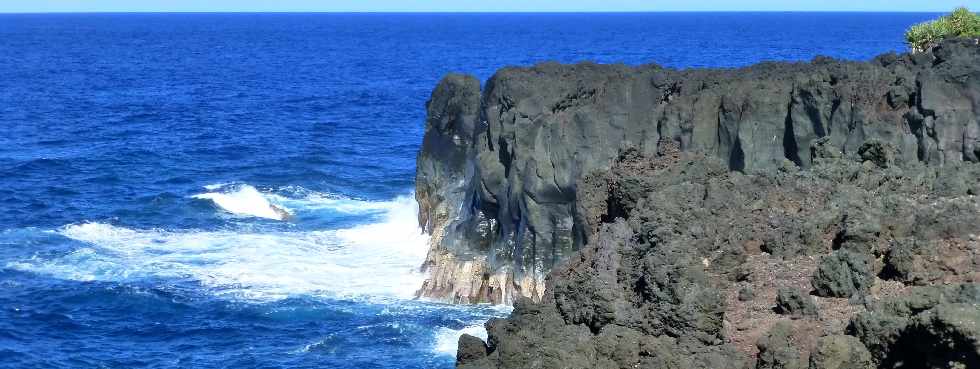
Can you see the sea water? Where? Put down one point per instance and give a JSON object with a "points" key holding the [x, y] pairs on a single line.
{"points": [[235, 190]]}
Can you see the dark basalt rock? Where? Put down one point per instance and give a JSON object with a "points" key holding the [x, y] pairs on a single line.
{"points": [[777, 350], [500, 171], [650, 197], [843, 274], [931, 327], [791, 301], [840, 352], [471, 350]]}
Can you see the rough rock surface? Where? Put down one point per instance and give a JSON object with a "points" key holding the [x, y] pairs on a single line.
{"points": [[930, 327], [687, 219], [843, 274], [470, 349], [660, 285], [840, 352], [500, 174], [793, 302]]}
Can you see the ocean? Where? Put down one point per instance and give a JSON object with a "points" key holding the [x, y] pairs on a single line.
{"points": [[235, 190]]}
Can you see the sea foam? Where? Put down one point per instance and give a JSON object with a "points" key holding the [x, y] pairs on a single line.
{"points": [[447, 340], [244, 200], [373, 260]]}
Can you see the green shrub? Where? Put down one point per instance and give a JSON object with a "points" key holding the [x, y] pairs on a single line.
{"points": [[960, 23]]}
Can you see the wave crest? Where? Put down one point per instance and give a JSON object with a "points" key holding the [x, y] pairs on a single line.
{"points": [[244, 200]]}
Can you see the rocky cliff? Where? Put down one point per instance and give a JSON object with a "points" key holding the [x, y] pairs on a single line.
{"points": [[502, 171]]}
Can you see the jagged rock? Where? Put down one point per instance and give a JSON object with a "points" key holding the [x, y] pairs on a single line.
{"points": [[931, 327], [878, 332], [947, 336], [777, 351], [648, 289], [843, 274], [880, 153], [791, 301], [501, 170], [840, 352], [535, 336], [823, 148], [470, 350], [649, 197]]}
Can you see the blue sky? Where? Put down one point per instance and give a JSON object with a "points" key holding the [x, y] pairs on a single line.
{"points": [[471, 5]]}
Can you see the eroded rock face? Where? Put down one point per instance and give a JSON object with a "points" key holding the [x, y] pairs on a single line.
{"points": [[820, 215], [662, 284], [503, 175]]}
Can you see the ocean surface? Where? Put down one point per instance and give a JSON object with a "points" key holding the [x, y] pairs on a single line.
{"points": [[235, 190]]}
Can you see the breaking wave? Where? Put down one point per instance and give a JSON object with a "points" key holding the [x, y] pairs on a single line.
{"points": [[378, 259], [243, 200], [447, 339]]}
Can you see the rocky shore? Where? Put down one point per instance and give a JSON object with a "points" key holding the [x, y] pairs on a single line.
{"points": [[784, 215]]}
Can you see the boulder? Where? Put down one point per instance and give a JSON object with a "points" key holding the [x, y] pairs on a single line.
{"points": [[840, 352], [793, 302], [843, 274]]}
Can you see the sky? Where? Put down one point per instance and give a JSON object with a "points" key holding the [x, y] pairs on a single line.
{"points": [[39, 6]]}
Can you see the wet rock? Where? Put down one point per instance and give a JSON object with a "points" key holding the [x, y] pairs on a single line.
{"points": [[471, 349], [793, 302]]}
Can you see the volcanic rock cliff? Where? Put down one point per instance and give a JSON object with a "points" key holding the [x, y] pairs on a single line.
{"points": [[501, 171], [819, 215], [809, 215]]}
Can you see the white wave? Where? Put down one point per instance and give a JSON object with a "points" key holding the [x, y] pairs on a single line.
{"points": [[447, 340], [379, 259], [244, 200], [313, 201], [212, 187], [280, 204], [302, 199]]}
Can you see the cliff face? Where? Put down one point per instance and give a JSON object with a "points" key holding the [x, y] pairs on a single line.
{"points": [[503, 172]]}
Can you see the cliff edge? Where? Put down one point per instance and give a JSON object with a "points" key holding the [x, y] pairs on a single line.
{"points": [[820, 215], [502, 171]]}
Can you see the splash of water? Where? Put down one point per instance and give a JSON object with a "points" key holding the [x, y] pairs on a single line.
{"points": [[372, 260], [447, 339], [244, 200]]}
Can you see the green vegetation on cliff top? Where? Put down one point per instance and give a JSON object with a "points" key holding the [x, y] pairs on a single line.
{"points": [[960, 23]]}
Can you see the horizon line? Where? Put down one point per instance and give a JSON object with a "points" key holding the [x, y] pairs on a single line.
{"points": [[463, 12]]}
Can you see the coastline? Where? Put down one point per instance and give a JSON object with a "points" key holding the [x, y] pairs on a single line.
{"points": [[619, 190]]}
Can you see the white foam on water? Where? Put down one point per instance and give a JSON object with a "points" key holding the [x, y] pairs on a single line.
{"points": [[212, 187], [447, 340], [299, 198], [373, 260], [243, 200]]}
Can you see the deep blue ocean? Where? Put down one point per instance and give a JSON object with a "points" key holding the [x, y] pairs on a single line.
{"points": [[235, 190]]}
